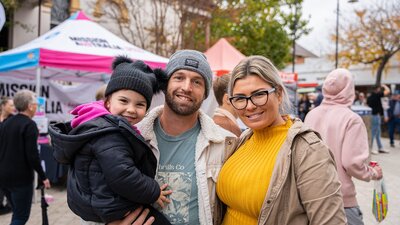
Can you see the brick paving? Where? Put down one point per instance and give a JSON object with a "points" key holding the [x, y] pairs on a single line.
{"points": [[59, 213]]}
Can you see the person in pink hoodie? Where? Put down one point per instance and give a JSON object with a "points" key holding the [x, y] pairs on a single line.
{"points": [[112, 168], [346, 135]]}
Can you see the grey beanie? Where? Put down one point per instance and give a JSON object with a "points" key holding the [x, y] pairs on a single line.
{"points": [[191, 60]]}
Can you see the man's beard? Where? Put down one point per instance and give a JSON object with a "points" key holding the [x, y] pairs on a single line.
{"points": [[181, 110]]}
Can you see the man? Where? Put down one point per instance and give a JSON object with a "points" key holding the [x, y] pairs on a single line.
{"points": [[394, 115], [19, 157], [188, 144], [346, 136], [374, 101], [225, 115]]}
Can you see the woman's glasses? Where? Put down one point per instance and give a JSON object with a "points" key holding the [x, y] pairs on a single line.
{"points": [[258, 98]]}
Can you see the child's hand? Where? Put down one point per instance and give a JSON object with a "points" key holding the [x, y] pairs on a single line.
{"points": [[164, 196]]}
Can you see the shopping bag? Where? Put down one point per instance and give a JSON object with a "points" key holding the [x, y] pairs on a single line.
{"points": [[379, 200]]}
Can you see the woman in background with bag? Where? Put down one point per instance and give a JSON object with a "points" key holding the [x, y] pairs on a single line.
{"points": [[346, 136], [280, 171]]}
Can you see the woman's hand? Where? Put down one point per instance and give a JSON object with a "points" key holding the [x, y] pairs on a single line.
{"points": [[136, 217], [164, 196]]}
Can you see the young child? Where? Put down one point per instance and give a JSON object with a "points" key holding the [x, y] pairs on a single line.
{"points": [[112, 168]]}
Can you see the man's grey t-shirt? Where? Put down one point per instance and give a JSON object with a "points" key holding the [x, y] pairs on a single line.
{"points": [[177, 169]]}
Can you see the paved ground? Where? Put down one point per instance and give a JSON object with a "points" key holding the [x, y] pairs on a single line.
{"points": [[391, 171], [59, 213]]}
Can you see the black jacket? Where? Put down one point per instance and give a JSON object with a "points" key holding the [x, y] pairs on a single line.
{"points": [[111, 167], [19, 155], [374, 101]]}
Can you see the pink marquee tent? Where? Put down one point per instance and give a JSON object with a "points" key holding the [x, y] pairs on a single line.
{"points": [[223, 57]]}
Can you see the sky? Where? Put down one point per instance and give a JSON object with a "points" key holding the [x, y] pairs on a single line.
{"points": [[323, 22]]}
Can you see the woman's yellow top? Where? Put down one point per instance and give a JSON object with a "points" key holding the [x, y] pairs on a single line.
{"points": [[244, 179]]}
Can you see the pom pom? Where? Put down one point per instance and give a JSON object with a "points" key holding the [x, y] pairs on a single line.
{"points": [[140, 65], [120, 59], [161, 80]]}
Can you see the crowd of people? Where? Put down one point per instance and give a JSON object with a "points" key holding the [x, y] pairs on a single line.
{"points": [[176, 165], [384, 106]]}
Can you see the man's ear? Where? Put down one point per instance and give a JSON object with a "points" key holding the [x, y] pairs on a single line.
{"points": [[225, 99], [30, 106]]}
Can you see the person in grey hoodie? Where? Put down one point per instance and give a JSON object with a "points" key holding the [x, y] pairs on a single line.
{"points": [[346, 136], [112, 168]]}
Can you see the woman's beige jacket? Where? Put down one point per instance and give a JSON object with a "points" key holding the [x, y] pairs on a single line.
{"points": [[304, 188]]}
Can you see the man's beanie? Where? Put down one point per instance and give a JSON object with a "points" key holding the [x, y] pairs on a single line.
{"points": [[191, 60], [136, 76]]}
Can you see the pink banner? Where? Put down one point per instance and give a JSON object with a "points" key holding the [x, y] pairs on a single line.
{"points": [[83, 62]]}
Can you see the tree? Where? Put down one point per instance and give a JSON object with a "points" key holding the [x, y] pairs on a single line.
{"points": [[261, 27], [11, 4], [159, 26], [373, 38]]}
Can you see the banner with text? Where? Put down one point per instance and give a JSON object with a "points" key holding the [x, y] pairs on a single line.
{"points": [[60, 99]]}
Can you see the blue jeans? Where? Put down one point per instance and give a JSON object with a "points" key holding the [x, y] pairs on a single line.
{"points": [[354, 216], [393, 124], [376, 130], [21, 202]]}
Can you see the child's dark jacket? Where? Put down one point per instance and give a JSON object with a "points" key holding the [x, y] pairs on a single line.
{"points": [[108, 162]]}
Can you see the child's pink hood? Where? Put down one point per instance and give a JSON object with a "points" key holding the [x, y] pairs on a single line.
{"points": [[88, 111]]}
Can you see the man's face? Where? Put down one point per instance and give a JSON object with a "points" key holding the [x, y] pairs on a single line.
{"points": [[185, 92]]}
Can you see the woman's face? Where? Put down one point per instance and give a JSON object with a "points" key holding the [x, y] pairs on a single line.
{"points": [[127, 103], [262, 116]]}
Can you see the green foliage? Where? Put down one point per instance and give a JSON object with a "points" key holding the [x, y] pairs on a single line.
{"points": [[262, 27], [10, 5], [267, 39], [372, 37], [194, 34]]}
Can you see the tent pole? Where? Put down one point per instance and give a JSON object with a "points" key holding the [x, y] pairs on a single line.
{"points": [[35, 180], [38, 72]]}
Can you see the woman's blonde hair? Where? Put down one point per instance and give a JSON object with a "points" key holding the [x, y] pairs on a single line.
{"points": [[263, 68]]}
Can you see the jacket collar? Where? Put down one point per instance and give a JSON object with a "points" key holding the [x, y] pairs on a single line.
{"points": [[208, 128], [226, 113]]}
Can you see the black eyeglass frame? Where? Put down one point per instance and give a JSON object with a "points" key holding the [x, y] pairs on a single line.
{"points": [[249, 98]]}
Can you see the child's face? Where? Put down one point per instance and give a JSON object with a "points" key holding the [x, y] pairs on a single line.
{"points": [[129, 104]]}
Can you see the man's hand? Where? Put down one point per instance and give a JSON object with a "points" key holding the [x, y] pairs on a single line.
{"points": [[136, 217]]}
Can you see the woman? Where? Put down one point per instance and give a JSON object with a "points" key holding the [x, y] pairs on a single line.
{"points": [[280, 171], [7, 108]]}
